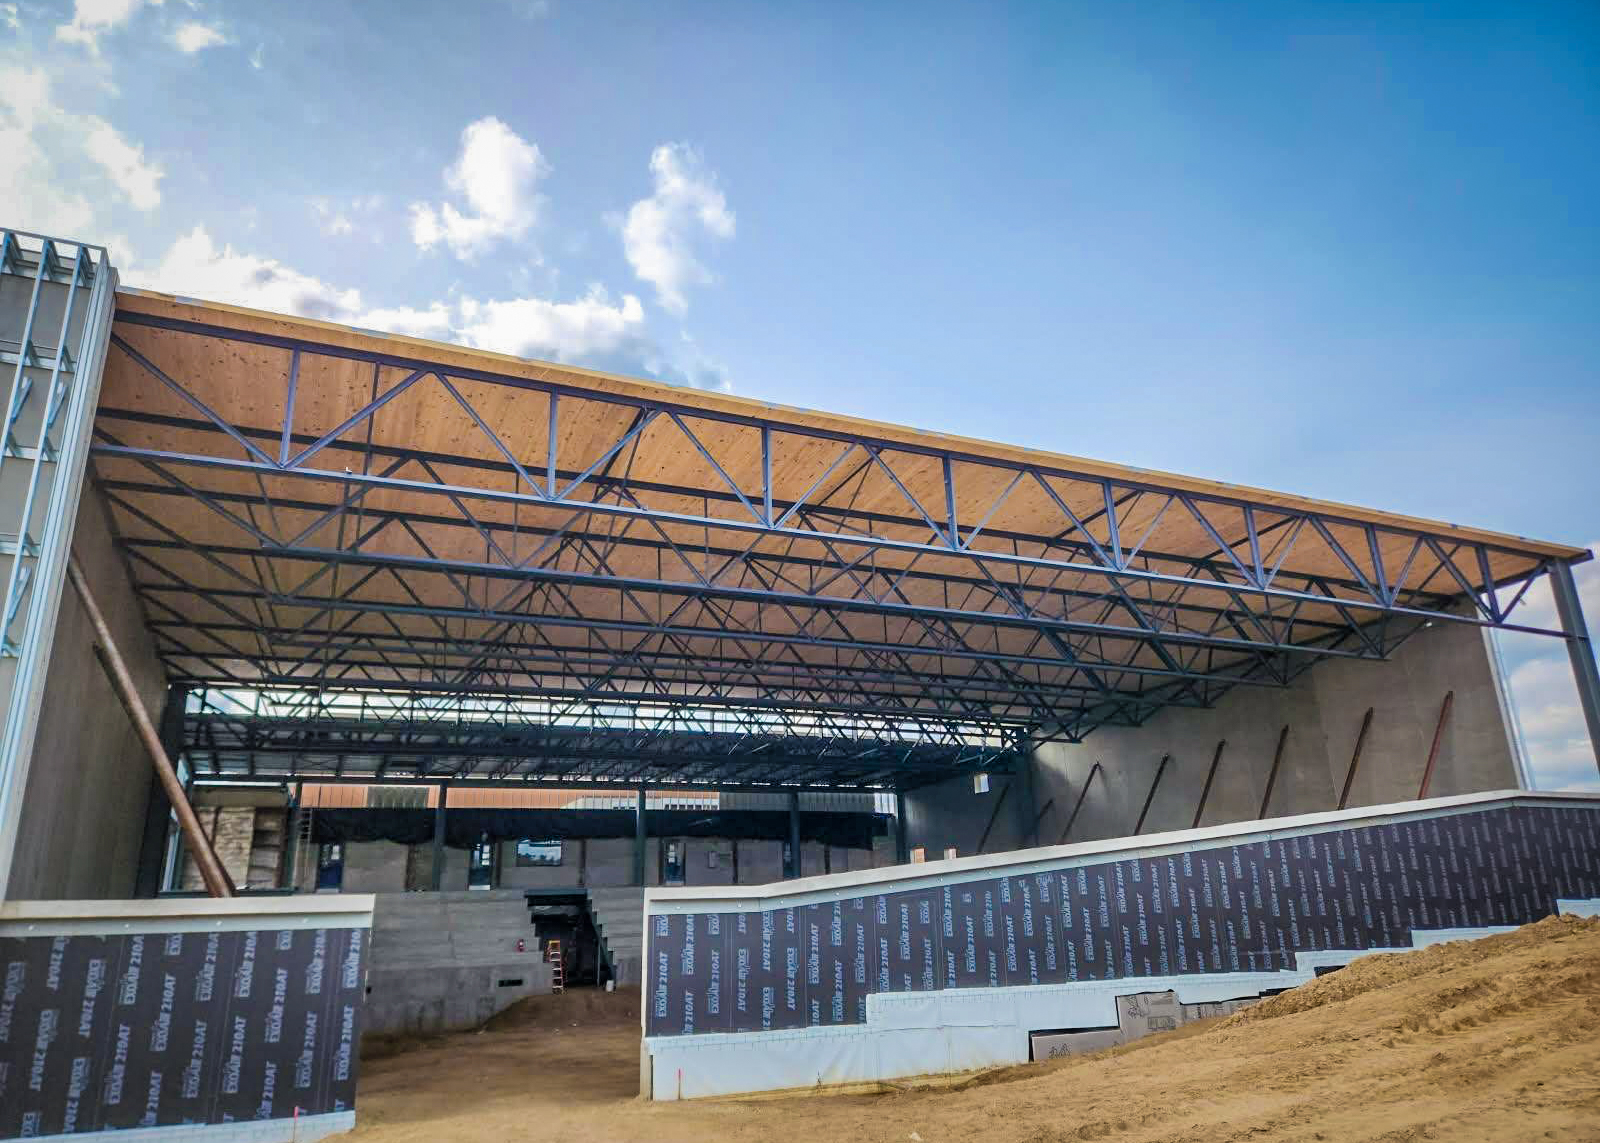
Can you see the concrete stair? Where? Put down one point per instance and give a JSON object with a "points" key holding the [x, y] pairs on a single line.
{"points": [[619, 919], [448, 961]]}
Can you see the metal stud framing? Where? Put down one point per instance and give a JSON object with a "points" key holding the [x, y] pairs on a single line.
{"points": [[55, 315]]}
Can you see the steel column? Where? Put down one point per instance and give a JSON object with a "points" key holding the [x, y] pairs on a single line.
{"points": [[1580, 650], [640, 839], [902, 851], [439, 812], [796, 866], [158, 807]]}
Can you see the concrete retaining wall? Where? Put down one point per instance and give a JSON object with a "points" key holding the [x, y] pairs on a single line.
{"points": [[1323, 710], [448, 961]]}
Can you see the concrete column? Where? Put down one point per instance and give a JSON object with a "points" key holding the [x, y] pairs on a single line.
{"points": [[1580, 649], [794, 868], [640, 841], [438, 837], [902, 852], [158, 807]]}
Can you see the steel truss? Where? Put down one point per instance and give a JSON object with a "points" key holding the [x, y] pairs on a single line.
{"points": [[395, 736], [340, 569]]}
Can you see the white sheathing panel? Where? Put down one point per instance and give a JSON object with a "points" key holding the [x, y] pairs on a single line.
{"points": [[184, 915]]}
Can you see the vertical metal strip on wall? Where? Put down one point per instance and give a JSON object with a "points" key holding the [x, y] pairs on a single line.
{"points": [[59, 383]]}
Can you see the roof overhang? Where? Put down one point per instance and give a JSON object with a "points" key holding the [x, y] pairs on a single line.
{"points": [[598, 577]]}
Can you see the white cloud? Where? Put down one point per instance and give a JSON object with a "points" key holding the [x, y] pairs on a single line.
{"points": [[24, 97], [497, 175], [258, 56], [124, 163], [593, 330], [35, 194], [1542, 688], [435, 323], [330, 219], [8, 17], [194, 36], [337, 219], [91, 18], [196, 267], [1552, 724], [47, 178], [657, 232], [589, 328]]}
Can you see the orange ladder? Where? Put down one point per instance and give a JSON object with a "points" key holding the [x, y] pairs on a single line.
{"points": [[558, 975]]}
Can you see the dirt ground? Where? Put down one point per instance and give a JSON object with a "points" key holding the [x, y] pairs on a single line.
{"points": [[1496, 1039]]}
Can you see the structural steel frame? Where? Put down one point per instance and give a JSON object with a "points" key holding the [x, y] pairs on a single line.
{"points": [[751, 636], [55, 364]]}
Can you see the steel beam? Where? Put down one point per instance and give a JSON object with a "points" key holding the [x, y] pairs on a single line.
{"points": [[1580, 649]]}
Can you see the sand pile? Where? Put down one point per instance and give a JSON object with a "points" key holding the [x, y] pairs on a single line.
{"points": [[1487, 1040]]}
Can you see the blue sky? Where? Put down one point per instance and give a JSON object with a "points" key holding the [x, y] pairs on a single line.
{"points": [[1346, 250]]}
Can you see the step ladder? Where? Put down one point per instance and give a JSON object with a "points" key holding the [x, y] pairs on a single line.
{"points": [[558, 973]]}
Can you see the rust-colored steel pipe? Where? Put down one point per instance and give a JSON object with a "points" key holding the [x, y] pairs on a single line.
{"points": [[1438, 737], [1355, 759], [1272, 774], [1083, 793], [1205, 791], [216, 878]]}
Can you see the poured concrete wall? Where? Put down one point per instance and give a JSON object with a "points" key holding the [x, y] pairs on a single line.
{"points": [[603, 863], [373, 867], [1323, 710], [448, 961], [951, 814], [89, 780]]}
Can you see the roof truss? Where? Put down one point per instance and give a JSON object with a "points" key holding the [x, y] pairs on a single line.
{"points": [[303, 514]]}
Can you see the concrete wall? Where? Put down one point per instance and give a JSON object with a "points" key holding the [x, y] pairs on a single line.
{"points": [[90, 780], [949, 813], [448, 961], [604, 863], [373, 867], [1323, 710]]}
